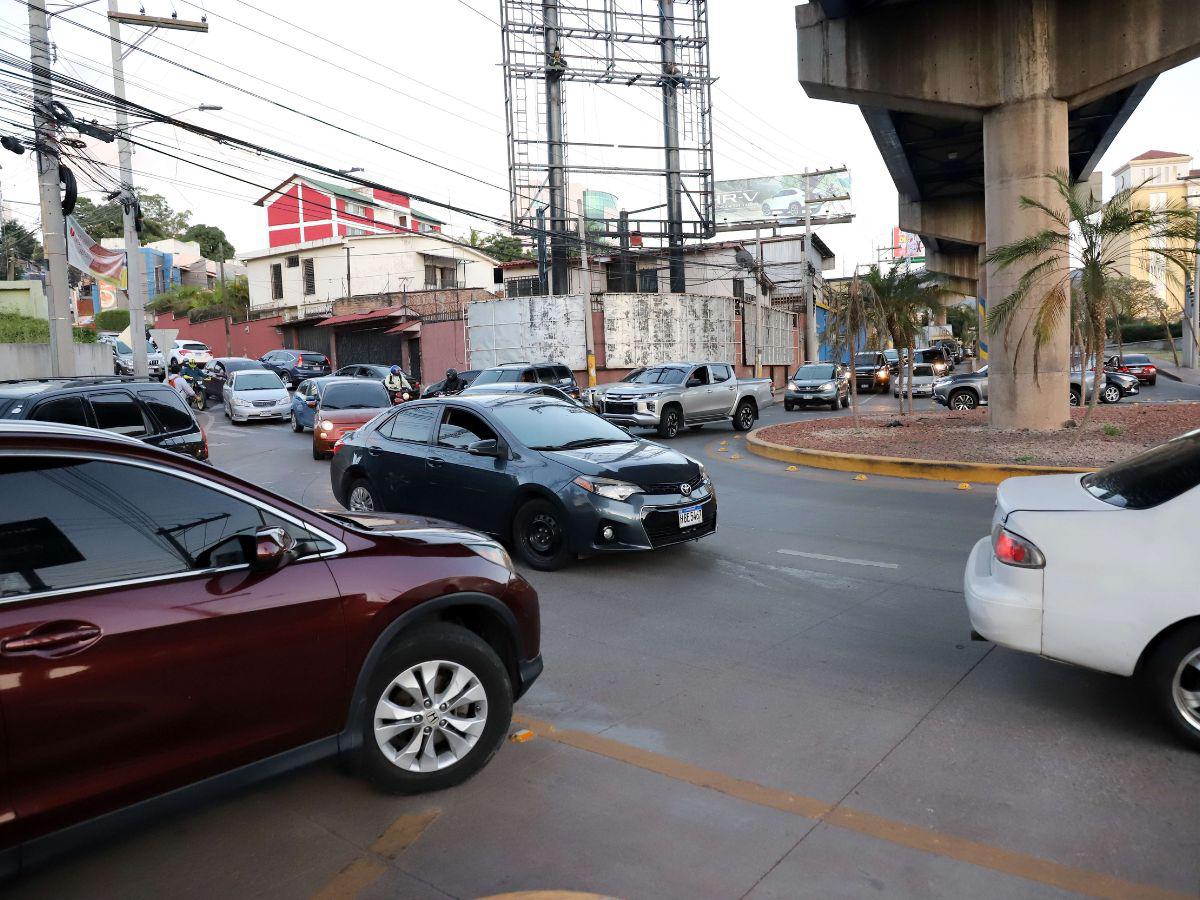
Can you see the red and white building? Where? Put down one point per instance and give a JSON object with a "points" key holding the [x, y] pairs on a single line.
{"points": [[303, 209]]}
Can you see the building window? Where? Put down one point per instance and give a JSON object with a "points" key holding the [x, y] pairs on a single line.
{"points": [[648, 281], [739, 288], [430, 277], [310, 277], [356, 209], [530, 286], [293, 261], [160, 280], [354, 232], [276, 281]]}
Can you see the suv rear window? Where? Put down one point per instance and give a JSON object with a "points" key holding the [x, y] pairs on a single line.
{"points": [[313, 359], [168, 408], [1144, 481]]}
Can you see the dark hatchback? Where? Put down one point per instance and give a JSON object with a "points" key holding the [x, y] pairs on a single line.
{"points": [[168, 632], [549, 476], [217, 372], [146, 410]]}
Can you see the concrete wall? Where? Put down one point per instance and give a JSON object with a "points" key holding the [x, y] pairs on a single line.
{"points": [[24, 297], [643, 329], [443, 346], [251, 339], [33, 360], [527, 328]]}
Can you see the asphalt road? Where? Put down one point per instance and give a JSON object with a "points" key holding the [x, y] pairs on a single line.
{"points": [[791, 708]]}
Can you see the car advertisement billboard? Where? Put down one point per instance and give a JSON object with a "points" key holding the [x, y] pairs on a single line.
{"points": [[906, 246], [780, 198]]}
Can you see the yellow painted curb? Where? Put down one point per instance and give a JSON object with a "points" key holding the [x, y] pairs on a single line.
{"points": [[898, 466]]}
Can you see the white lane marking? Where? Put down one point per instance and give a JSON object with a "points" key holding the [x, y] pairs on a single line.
{"points": [[841, 559]]}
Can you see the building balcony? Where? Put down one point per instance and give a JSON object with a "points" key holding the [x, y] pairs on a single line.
{"points": [[318, 310]]}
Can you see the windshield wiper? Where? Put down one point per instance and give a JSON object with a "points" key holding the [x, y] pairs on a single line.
{"points": [[579, 443]]}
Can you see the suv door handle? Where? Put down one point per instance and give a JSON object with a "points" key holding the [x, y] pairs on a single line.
{"points": [[42, 640]]}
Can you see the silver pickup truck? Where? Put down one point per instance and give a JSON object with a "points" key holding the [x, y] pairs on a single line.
{"points": [[671, 395]]}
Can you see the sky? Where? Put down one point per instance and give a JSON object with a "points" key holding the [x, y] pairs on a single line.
{"points": [[422, 78]]}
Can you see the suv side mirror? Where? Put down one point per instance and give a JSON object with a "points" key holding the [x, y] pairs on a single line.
{"points": [[485, 448], [273, 548]]}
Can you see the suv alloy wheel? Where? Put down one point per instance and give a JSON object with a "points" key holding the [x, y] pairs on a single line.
{"points": [[963, 399], [438, 706]]}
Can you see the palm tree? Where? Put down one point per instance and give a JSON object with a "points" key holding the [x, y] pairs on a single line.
{"points": [[896, 298], [1091, 237], [846, 322]]}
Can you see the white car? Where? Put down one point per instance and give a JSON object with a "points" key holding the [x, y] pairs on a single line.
{"points": [[788, 202], [1048, 581], [194, 350], [922, 381], [255, 394]]}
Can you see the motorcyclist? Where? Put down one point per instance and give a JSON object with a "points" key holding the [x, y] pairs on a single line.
{"points": [[397, 385], [453, 383], [176, 380]]}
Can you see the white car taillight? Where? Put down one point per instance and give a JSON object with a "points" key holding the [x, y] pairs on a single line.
{"points": [[1014, 550]]}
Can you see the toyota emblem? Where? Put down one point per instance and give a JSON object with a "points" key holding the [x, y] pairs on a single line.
{"points": [[685, 489]]}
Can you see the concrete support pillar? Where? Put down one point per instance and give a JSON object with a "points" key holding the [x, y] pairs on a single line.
{"points": [[981, 305], [1023, 141]]}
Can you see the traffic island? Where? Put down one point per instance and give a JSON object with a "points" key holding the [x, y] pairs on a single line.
{"points": [[960, 447]]}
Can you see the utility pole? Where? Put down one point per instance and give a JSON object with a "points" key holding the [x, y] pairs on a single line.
{"points": [[589, 333], [543, 284], [759, 293], [135, 270], [1191, 309], [811, 352], [670, 84], [556, 150], [349, 292], [225, 303], [54, 234]]}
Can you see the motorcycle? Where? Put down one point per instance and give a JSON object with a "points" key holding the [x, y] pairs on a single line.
{"points": [[199, 400]]}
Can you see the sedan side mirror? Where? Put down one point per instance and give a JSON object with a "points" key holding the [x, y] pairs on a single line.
{"points": [[273, 548], [485, 448]]}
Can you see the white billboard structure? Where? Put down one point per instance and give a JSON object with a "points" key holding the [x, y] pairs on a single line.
{"points": [[526, 329], [646, 329]]}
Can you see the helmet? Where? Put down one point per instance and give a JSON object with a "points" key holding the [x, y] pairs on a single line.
{"points": [[395, 370], [451, 373], [173, 368]]}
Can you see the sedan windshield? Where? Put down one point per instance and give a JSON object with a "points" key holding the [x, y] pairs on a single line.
{"points": [[1148, 479], [813, 372], [659, 375], [258, 381], [498, 376], [548, 424], [367, 395]]}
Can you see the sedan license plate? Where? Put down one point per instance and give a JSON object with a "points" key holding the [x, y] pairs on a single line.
{"points": [[693, 515]]}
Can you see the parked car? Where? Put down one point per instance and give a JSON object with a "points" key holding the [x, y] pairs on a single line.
{"points": [[550, 477], [970, 389], [1035, 585], [694, 394], [1138, 364], [123, 358], [591, 396], [818, 383], [923, 378], [217, 372], [435, 389], [293, 366], [147, 411], [341, 405], [872, 371], [531, 373], [196, 351], [543, 390], [215, 633], [255, 394], [1117, 385]]}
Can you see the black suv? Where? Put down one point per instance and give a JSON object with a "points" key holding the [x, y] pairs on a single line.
{"points": [[531, 373], [294, 366], [146, 410]]}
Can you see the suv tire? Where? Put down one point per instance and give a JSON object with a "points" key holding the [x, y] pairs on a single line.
{"points": [[743, 416], [539, 535], [1173, 674], [788, 405], [451, 743], [669, 422], [962, 399]]}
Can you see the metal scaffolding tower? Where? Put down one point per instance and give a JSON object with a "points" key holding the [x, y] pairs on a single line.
{"points": [[658, 51]]}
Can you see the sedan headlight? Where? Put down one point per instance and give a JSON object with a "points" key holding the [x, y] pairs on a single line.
{"points": [[493, 553], [607, 487], [240, 401], [326, 425]]}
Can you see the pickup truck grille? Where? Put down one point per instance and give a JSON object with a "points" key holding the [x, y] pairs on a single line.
{"points": [[620, 409], [671, 487], [662, 526]]}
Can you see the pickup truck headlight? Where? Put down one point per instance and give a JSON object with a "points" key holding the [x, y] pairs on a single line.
{"points": [[607, 487]]}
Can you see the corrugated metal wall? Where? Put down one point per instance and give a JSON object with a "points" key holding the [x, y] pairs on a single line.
{"points": [[644, 329], [777, 348], [536, 329]]}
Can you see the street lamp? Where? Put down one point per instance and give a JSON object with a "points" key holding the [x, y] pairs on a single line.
{"points": [[350, 171], [203, 107]]}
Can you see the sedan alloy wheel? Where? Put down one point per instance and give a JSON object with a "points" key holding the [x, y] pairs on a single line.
{"points": [[1185, 689], [361, 499]]}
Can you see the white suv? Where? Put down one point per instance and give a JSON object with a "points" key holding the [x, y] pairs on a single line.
{"points": [[194, 350]]}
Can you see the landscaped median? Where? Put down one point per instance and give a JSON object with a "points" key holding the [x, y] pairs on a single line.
{"points": [[944, 446]]}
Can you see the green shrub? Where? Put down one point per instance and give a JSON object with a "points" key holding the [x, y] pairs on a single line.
{"points": [[1146, 331], [18, 329], [112, 320], [1112, 430]]}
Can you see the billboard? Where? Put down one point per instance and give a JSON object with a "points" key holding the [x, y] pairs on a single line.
{"points": [[780, 199], [906, 246]]}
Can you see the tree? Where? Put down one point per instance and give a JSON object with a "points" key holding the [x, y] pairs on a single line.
{"points": [[1091, 237], [501, 247], [897, 299], [846, 324], [112, 320], [213, 243], [19, 242], [106, 220]]}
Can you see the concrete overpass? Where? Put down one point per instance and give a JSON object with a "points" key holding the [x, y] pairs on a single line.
{"points": [[971, 102]]}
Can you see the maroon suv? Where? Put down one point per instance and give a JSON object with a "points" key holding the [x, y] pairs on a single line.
{"points": [[167, 630]]}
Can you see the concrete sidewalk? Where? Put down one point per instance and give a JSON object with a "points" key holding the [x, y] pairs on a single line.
{"points": [[1187, 376]]}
